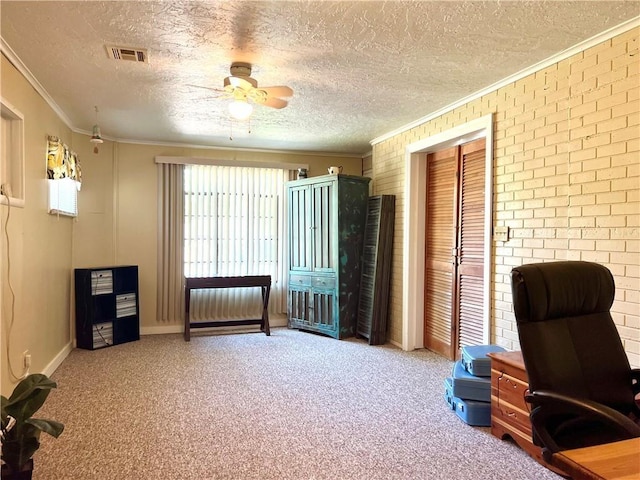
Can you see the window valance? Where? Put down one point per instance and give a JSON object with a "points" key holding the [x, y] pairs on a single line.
{"points": [[229, 163], [61, 161]]}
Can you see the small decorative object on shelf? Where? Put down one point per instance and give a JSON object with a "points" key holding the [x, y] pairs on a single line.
{"points": [[302, 173], [107, 311], [19, 432]]}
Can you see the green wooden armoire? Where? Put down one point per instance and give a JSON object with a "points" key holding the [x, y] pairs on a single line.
{"points": [[327, 216]]}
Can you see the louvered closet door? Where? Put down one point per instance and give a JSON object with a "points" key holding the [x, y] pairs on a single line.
{"points": [[440, 237], [470, 269], [454, 281]]}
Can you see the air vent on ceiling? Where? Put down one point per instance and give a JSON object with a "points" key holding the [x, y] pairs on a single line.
{"points": [[126, 53]]}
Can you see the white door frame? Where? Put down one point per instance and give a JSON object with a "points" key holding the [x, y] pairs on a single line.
{"points": [[414, 220]]}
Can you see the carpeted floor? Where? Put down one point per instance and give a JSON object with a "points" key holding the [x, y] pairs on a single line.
{"points": [[246, 406]]}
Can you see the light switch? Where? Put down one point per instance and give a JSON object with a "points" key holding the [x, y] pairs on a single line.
{"points": [[501, 234]]}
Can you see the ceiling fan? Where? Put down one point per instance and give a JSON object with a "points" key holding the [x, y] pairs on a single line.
{"points": [[244, 91]]}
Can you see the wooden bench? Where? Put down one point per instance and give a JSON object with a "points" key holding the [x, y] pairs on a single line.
{"points": [[262, 281]]}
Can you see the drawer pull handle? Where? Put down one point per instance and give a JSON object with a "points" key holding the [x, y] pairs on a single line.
{"points": [[512, 383]]}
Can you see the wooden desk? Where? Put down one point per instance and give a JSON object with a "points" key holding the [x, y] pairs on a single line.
{"points": [[611, 461], [509, 409], [262, 281]]}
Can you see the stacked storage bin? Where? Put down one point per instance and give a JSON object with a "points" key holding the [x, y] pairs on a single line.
{"points": [[468, 389]]}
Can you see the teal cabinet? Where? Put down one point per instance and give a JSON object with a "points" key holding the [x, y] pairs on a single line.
{"points": [[327, 217]]}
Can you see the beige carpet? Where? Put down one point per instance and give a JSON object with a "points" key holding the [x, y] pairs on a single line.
{"points": [[290, 406]]}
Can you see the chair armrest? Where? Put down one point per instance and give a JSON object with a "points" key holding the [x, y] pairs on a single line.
{"points": [[551, 404], [635, 380], [635, 388]]}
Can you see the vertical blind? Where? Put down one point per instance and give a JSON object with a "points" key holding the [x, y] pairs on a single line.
{"points": [[170, 296], [234, 225]]}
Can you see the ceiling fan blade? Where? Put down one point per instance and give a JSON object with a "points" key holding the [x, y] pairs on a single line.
{"points": [[213, 92], [206, 88], [279, 91], [274, 102]]}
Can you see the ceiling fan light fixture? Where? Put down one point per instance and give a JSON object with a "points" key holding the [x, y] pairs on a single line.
{"points": [[240, 109], [96, 135]]}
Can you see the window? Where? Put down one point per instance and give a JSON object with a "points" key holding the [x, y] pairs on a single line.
{"points": [[233, 220], [63, 197], [12, 155], [233, 226], [221, 218]]}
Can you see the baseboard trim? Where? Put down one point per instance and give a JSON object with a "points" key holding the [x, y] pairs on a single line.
{"points": [[58, 359], [161, 330]]}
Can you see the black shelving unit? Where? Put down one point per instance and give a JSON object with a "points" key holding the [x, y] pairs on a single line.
{"points": [[107, 308]]}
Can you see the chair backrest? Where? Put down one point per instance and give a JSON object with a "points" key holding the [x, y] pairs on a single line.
{"points": [[568, 339]]}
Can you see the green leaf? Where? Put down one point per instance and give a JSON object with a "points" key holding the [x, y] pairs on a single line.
{"points": [[16, 453], [51, 427], [28, 396], [3, 411], [29, 383], [22, 441], [29, 447]]}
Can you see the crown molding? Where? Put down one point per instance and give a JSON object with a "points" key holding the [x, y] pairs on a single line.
{"points": [[8, 52], [584, 45], [305, 153]]}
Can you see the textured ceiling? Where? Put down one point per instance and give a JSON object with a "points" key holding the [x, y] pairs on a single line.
{"points": [[358, 69]]}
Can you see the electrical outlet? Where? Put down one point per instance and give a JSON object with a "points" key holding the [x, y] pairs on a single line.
{"points": [[501, 234], [5, 189], [26, 359]]}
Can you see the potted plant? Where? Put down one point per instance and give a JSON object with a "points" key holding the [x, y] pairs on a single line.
{"points": [[19, 432]]}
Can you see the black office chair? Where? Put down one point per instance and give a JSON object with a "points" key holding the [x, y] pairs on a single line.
{"points": [[581, 387]]}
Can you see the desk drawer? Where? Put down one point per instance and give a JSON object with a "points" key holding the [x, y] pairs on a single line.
{"points": [[324, 282], [300, 280], [508, 395]]}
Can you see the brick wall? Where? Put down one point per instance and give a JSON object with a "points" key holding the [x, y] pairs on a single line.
{"points": [[566, 177]]}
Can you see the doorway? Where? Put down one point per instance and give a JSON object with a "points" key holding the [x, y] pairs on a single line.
{"points": [[413, 309], [454, 248]]}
